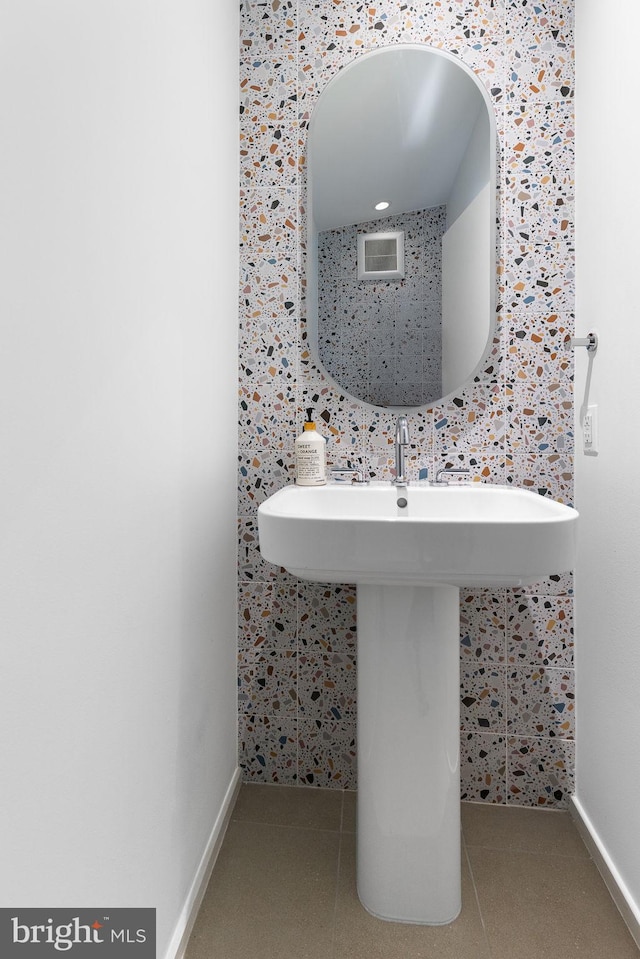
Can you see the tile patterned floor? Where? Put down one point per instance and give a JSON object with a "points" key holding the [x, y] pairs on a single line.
{"points": [[284, 888]]}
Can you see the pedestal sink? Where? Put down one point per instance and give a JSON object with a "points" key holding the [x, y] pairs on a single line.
{"points": [[408, 562]]}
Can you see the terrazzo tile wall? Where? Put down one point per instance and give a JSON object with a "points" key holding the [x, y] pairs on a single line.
{"points": [[382, 341], [297, 656]]}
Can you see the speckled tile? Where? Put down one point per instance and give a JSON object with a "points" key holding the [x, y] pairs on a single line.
{"points": [[346, 458], [327, 611], [540, 772], [269, 371], [326, 681], [268, 307], [339, 418], [464, 23], [251, 565], [268, 338], [483, 767], [480, 466], [539, 44], [540, 74], [538, 271], [268, 222], [267, 29], [266, 415], [482, 628], [540, 630], [380, 425], [483, 697], [268, 749], [476, 418], [523, 54], [331, 26], [538, 205], [549, 474], [539, 384], [327, 753], [381, 466], [267, 615], [267, 681], [545, 333], [539, 276], [260, 474], [541, 702], [539, 138], [268, 117], [546, 22]]}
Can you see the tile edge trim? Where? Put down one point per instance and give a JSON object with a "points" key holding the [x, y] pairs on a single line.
{"points": [[618, 890], [186, 921]]}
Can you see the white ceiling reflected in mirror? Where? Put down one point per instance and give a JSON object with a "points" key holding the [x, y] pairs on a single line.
{"points": [[410, 127]]}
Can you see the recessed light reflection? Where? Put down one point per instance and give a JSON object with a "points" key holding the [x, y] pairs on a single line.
{"points": [[382, 205]]}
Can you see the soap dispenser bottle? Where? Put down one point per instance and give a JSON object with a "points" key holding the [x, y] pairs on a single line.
{"points": [[310, 450]]}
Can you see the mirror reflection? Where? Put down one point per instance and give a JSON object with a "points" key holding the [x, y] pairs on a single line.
{"points": [[401, 220]]}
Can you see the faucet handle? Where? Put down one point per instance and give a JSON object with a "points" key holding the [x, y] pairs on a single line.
{"points": [[447, 471], [347, 474]]}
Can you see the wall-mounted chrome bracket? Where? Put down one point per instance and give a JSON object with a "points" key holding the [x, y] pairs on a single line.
{"points": [[590, 341]]}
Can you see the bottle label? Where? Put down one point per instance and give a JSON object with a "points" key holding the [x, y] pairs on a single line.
{"points": [[310, 464]]}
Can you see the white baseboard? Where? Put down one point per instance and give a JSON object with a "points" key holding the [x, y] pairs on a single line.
{"points": [[185, 924], [617, 888]]}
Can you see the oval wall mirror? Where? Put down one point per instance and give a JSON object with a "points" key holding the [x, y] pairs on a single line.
{"points": [[401, 297]]}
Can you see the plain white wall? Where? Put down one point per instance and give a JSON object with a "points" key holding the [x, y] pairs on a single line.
{"points": [[475, 169], [608, 568], [466, 292], [118, 260]]}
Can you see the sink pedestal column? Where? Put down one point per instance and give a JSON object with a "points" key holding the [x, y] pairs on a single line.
{"points": [[408, 832]]}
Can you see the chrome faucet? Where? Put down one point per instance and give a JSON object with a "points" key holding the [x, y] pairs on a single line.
{"points": [[401, 440], [348, 474], [443, 474]]}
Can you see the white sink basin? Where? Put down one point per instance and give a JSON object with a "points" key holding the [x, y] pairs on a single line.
{"points": [[407, 562], [479, 534]]}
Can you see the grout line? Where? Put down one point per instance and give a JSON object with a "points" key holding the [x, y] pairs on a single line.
{"points": [[477, 898], [298, 653], [281, 825], [516, 851], [334, 924]]}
